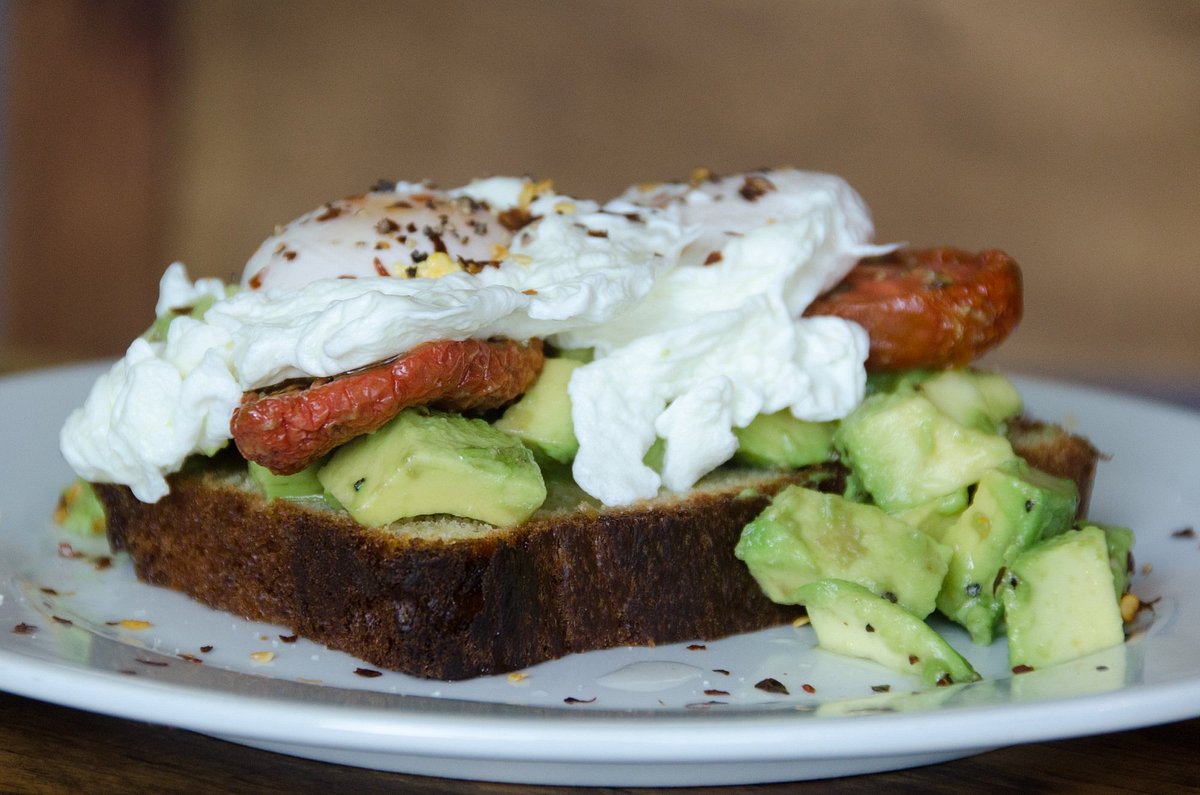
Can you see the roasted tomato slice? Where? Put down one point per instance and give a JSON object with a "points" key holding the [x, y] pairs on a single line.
{"points": [[928, 308], [287, 430]]}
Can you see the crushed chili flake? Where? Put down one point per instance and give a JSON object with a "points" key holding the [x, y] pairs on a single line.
{"points": [[256, 280], [573, 700], [881, 688], [66, 622], [771, 685], [754, 186], [697, 647], [870, 628], [103, 562], [154, 663], [713, 258], [290, 255], [1022, 669], [597, 233], [330, 213], [49, 591], [807, 688], [369, 673], [721, 671], [191, 658], [913, 659], [705, 704], [945, 680], [206, 649], [386, 226], [24, 629], [379, 267], [289, 638], [712, 691], [1184, 532]]}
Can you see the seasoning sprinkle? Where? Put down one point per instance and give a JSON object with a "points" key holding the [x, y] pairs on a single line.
{"points": [[772, 685], [24, 629], [262, 656], [573, 700], [369, 673], [1022, 669], [807, 688]]}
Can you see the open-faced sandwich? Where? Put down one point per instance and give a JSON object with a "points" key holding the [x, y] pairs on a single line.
{"points": [[460, 432]]}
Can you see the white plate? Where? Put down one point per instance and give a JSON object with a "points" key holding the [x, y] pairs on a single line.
{"points": [[574, 721]]}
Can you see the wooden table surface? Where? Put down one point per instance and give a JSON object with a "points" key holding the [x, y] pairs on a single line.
{"points": [[49, 749]]}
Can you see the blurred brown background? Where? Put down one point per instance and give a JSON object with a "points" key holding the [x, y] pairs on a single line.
{"points": [[1067, 133]]}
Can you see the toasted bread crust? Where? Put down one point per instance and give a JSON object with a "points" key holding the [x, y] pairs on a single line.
{"points": [[486, 603]]}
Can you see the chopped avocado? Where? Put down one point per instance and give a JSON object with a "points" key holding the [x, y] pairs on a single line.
{"points": [[850, 620], [934, 517], [1060, 602], [302, 484], [426, 463], [80, 511], [1120, 553], [896, 381], [781, 440], [907, 452], [805, 535], [1012, 509], [542, 417], [158, 330], [581, 355], [979, 400]]}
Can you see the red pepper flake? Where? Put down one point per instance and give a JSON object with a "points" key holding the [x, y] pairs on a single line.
{"points": [[191, 658], [386, 226], [696, 647], [597, 233], [290, 255], [530, 291], [1184, 532], [65, 550], [945, 680], [1101, 667], [913, 659], [289, 638], [206, 649], [379, 268], [807, 688], [573, 700], [1022, 669], [369, 673], [49, 591], [870, 628], [515, 218], [257, 279], [24, 629], [721, 671], [66, 622], [881, 688], [706, 704], [713, 258], [155, 663], [770, 685], [755, 186], [712, 691], [330, 213], [103, 562]]}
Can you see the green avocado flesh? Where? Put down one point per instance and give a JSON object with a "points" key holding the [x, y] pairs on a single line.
{"points": [[851, 620], [1060, 600], [542, 417], [781, 440], [804, 536], [423, 463]]}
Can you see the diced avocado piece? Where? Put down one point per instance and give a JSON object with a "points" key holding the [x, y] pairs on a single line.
{"points": [[976, 399], [805, 535], [424, 463], [80, 511], [1120, 553], [655, 455], [581, 355], [1060, 602], [302, 484], [907, 452], [934, 517], [781, 440], [542, 417], [896, 382], [850, 620], [1013, 508], [158, 329]]}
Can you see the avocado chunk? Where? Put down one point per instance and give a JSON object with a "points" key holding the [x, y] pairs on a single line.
{"points": [[805, 535], [934, 517], [80, 511], [302, 484], [423, 463], [542, 417], [1060, 602], [1013, 508], [850, 620], [976, 399], [906, 452], [781, 440]]}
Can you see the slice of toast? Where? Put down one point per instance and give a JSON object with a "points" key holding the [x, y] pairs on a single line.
{"points": [[451, 599]]}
